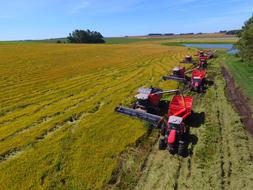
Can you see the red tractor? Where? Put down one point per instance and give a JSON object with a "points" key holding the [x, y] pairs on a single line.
{"points": [[198, 80], [149, 100], [173, 130]]}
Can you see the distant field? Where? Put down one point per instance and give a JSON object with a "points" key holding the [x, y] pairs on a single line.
{"points": [[126, 40], [176, 39], [173, 40], [58, 129]]}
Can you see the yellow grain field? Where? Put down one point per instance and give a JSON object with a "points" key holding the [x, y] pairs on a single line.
{"points": [[58, 129]]}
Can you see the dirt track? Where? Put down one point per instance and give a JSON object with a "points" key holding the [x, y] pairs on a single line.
{"points": [[238, 100]]}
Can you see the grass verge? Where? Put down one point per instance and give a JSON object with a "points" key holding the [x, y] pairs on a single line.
{"points": [[242, 73]]}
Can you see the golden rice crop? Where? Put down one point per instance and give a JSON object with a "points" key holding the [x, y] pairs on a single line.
{"points": [[58, 129]]}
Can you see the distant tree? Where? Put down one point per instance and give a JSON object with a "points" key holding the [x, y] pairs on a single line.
{"points": [[168, 34], [191, 33], [85, 36], [223, 31], [58, 41], [233, 32], [154, 34], [245, 44]]}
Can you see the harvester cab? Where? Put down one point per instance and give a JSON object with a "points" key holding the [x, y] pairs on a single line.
{"points": [[178, 71], [187, 59], [198, 80], [178, 74], [202, 54], [210, 53], [149, 100]]}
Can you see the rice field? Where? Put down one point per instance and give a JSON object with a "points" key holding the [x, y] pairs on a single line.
{"points": [[58, 129]]}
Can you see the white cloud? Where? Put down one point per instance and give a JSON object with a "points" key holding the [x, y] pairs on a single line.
{"points": [[96, 7], [80, 6]]}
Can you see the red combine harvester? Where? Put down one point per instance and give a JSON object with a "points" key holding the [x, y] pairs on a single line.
{"points": [[149, 100], [178, 74], [203, 62], [187, 59], [202, 53], [204, 56], [198, 80], [173, 130]]}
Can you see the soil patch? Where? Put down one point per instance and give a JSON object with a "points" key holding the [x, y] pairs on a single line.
{"points": [[239, 101]]}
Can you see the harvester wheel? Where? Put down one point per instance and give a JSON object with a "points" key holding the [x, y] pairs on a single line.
{"points": [[201, 89], [134, 106], [181, 148], [152, 110], [162, 144], [163, 106]]}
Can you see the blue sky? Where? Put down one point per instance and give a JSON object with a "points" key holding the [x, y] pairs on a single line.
{"points": [[38, 19]]}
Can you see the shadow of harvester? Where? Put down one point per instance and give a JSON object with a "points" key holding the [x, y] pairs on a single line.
{"points": [[196, 119]]}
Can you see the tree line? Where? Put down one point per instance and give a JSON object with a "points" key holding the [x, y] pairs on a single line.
{"points": [[245, 43], [85, 36]]}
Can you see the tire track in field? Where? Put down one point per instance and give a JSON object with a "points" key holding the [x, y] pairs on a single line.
{"points": [[222, 175]]}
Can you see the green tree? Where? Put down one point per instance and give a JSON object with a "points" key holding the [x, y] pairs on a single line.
{"points": [[245, 44], [85, 36]]}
